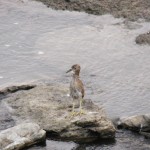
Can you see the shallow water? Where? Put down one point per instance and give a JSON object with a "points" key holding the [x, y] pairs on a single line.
{"points": [[38, 43]]}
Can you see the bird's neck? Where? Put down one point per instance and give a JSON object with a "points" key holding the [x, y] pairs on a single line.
{"points": [[75, 76], [77, 72]]}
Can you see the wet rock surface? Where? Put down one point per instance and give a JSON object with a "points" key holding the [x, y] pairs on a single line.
{"points": [[50, 107], [143, 38], [140, 123], [21, 136], [130, 9]]}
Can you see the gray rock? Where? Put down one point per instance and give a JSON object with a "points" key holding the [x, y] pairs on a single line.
{"points": [[139, 123], [21, 136], [50, 107], [143, 38]]}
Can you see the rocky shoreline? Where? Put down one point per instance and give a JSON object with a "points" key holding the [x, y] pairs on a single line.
{"points": [[49, 107], [40, 109]]}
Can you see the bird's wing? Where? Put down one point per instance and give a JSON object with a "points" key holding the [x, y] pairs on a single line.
{"points": [[80, 87]]}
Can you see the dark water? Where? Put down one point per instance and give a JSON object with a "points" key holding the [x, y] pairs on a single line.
{"points": [[124, 141], [38, 43]]}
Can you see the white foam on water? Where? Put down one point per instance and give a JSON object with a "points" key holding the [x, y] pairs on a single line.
{"points": [[40, 53], [7, 45], [1, 77], [16, 23]]}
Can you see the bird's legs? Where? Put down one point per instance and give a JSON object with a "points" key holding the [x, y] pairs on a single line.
{"points": [[81, 110], [73, 113], [73, 108]]}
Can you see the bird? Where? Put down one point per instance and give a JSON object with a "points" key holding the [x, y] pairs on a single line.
{"points": [[76, 87]]}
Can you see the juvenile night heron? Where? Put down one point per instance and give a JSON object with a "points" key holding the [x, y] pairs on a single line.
{"points": [[76, 87]]}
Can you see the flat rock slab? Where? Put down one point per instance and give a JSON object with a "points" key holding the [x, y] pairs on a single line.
{"points": [[50, 107], [21, 136]]}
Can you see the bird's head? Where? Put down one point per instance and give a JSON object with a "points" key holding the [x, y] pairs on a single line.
{"points": [[75, 69]]}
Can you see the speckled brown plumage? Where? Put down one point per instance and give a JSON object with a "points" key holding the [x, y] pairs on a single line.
{"points": [[76, 85]]}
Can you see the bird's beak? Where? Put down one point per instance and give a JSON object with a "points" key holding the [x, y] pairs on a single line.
{"points": [[69, 70]]}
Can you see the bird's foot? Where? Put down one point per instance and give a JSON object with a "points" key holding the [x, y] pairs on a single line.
{"points": [[73, 114], [81, 112]]}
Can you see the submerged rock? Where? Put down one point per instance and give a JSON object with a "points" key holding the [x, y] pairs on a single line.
{"points": [[143, 38], [21, 136], [50, 107]]}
